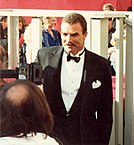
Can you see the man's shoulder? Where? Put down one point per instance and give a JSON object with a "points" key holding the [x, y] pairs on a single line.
{"points": [[51, 49], [97, 58], [99, 62]]}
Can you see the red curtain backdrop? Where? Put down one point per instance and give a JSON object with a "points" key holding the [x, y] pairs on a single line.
{"points": [[94, 5]]}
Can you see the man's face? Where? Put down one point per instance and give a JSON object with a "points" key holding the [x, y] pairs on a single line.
{"points": [[72, 37]]}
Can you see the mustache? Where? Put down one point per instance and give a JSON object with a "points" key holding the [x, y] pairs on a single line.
{"points": [[71, 44]]}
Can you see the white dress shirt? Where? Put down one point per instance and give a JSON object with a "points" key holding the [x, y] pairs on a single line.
{"points": [[38, 139], [71, 75]]}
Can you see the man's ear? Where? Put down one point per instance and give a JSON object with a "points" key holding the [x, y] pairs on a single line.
{"points": [[85, 35]]}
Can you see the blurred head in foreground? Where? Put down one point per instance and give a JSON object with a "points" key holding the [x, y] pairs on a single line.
{"points": [[24, 110]]}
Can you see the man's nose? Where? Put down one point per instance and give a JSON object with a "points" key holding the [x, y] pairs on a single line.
{"points": [[68, 38]]}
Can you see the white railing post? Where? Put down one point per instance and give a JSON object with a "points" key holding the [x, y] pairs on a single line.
{"points": [[129, 100], [119, 82], [99, 36], [36, 36], [13, 41], [88, 42]]}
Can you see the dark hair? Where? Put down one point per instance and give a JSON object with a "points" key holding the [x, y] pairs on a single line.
{"points": [[24, 23], [129, 8], [74, 18], [4, 18], [30, 115]]}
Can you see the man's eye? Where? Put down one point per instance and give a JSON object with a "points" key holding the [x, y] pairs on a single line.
{"points": [[75, 34], [64, 34]]}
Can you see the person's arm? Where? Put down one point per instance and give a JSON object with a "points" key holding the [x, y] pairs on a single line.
{"points": [[59, 35], [45, 42]]}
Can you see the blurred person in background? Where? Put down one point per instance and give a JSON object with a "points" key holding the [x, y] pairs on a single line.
{"points": [[110, 7], [4, 32], [50, 36], [3, 27], [3, 57], [22, 26], [111, 22], [3, 64]]}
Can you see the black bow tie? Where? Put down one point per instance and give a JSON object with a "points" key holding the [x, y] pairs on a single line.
{"points": [[76, 59]]}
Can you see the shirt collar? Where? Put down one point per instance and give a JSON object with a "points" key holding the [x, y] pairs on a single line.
{"points": [[76, 55]]}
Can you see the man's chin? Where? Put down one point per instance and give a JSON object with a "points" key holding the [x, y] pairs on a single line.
{"points": [[68, 49]]}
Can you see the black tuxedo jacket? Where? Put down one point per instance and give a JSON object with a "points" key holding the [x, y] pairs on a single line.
{"points": [[89, 121]]}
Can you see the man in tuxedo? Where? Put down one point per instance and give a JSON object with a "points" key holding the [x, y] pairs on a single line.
{"points": [[78, 87]]}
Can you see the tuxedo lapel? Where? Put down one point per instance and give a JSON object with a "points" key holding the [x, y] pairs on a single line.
{"points": [[88, 73], [85, 86], [57, 88], [88, 77]]}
